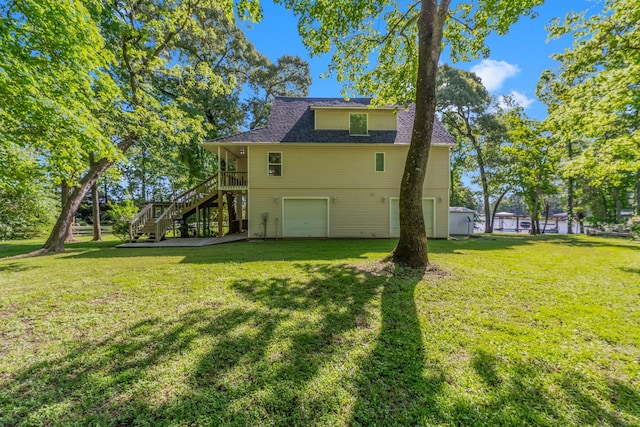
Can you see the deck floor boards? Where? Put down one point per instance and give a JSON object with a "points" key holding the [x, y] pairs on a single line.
{"points": [[188, 242]]}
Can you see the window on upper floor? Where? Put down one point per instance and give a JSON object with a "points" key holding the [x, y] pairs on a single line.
{"points": [[379, 162], [274, 163], [358, 124]]}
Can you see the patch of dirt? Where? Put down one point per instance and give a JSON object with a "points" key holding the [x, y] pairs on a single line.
{"points": [[387, 268]]}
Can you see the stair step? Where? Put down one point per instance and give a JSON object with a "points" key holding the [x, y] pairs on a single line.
{"points": [[203, 195]]}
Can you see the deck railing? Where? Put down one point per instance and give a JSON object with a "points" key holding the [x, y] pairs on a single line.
{"points": [[184, 202], [233, 180], [163, 215], [145, 216]]}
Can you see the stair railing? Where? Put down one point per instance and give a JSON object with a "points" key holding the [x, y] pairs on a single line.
{"points": [[196, 193], [183, 202], [138, 221]]}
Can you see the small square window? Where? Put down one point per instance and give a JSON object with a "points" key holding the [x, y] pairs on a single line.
{"points": [[274, 161], [358, 124], [379, 162]]}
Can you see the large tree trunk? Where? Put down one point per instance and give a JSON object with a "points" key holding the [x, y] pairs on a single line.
{"points": [[605, 206], [65, 192], [55, 241], [618, 203], [412, 246], [495, 209], [488, 222], [547, 211], [570, 193], [535, 221], [143, 180], [637, 193], [97, 228]]}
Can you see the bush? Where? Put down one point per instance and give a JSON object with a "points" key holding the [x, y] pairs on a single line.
{"points": [[122, 215], [634, 222], [26, 212], [28, 205]]}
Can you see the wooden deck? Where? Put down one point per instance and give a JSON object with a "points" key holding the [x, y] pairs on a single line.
{"points": [[190, 242]]}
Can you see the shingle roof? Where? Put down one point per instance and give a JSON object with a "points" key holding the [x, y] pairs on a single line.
{"points": [[460, 209], [292, 120]]}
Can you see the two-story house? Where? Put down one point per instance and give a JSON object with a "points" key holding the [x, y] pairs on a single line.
{"points": [[326, 167]]}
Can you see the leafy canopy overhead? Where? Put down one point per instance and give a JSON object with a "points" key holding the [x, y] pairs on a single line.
{"points": [[52, 80], [596, 88], [594, 97], [374, 43]]}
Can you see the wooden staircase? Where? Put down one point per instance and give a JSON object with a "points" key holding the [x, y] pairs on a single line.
{"points": [[155, 219]]}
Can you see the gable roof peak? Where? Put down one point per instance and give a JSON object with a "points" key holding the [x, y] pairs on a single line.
{"points": [[292, 121]]}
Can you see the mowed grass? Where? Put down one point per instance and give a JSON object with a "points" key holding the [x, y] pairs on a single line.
{"points": [[507, 331]]}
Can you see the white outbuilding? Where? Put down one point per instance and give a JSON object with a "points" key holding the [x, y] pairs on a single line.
{"points": [[461, 221]]}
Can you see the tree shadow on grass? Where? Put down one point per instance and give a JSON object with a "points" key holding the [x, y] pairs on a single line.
{"points": [[13, 248], [95, 383], [404, 382], [16, 267], [399, 382], [293, 250], [338, 344], [536, 393], [582, 240], [262, 361]]}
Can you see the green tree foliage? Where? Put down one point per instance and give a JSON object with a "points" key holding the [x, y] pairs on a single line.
{"points": [[594, 101], [532, 158], [27, 205], [122, 214], [288, 77], [52, 82], [158, 166], [390, 50], [107, 65], [466, 110]]}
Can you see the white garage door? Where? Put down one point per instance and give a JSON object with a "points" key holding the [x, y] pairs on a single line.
{"points": [[427, 211], [305, 218]]}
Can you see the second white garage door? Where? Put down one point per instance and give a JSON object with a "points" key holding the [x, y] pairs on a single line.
{"points": [[427, 212], [305, 217]]}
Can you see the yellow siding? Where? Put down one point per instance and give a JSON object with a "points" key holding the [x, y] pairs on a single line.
{"points": [[339, 119], [332, 119], [358, 196]]}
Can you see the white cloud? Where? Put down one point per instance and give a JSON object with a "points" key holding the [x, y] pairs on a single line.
{"points": [[519, 98], [494, 73]]}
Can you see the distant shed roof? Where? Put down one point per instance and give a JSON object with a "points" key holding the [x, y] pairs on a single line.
{"points": [[460, 209], [292, 120]]}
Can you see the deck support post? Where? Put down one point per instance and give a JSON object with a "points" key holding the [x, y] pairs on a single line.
{"points": [[239, 214], [197, 221], [219, 212]]}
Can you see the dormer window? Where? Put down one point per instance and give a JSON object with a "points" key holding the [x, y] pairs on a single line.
{"points": [[358, 124]]}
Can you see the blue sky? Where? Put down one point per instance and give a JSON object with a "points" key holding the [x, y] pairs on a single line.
{"points": [[513, 67]]}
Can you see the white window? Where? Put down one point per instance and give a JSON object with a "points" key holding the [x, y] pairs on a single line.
{"points": [[358, 124], [379, 162], [274, 165]]}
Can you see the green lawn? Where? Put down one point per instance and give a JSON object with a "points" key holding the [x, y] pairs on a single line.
{"points": [[508, 331]]}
